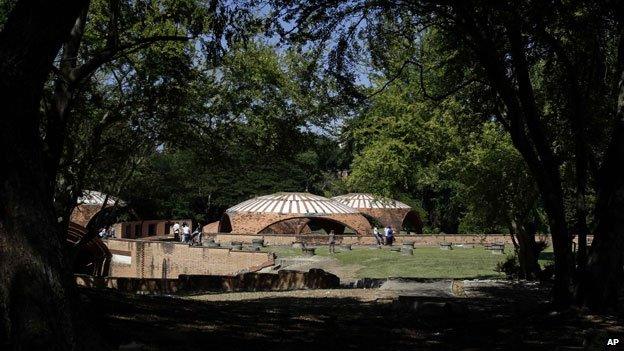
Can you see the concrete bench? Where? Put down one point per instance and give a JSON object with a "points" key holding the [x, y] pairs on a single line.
{"points": [[408, 245], [257, 244], [497, 249], [446, 246], [346, 247], [210, 243], [308, 251], [298, 245], [236, 245], [407, 251]]}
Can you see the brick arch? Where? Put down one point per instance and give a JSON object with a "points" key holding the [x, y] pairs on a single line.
{"points": [[254, 222], [299, 225], [394, 217], [225, 225], [104, 217], [83, 213], [412, 222], [93, 257]]}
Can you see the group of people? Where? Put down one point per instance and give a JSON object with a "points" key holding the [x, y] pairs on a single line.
{"points": [[106, 232], [184, 235], [387, 238]]}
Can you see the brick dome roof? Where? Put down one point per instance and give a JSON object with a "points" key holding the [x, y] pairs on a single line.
{"points": [[91, 197], [363, 200], [298, 203]]}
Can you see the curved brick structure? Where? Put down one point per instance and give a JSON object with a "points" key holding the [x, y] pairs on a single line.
{"points": [[89, 205], [93, 258], [212, 227], [385, 211], [299, 212]]}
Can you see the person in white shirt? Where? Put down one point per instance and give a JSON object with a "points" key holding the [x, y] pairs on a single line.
{"points": [[176, 231], [386, 234], [377, 236], [186, 233]]}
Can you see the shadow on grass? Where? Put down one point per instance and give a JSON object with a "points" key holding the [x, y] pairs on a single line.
{"points": [[284, 323], [511, 316], [547, 256]]}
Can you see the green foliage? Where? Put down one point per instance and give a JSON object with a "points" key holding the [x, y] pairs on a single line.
{"points": [[256, 137]]}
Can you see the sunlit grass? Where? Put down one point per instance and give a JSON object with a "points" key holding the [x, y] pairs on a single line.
{"points": [[427, 262]]}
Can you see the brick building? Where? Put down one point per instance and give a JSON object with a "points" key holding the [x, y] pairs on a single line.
{"points": [[383, 211], [159, 259], [148, 228], [291, 213]]}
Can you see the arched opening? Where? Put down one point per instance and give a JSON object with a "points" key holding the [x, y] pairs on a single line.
{"points": [[92, 257], [307, 225], [105, 217], [225, 226], [374, 222], [412, 223]]}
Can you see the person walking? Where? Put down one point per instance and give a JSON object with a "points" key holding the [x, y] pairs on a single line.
{"points": [[332, 241], [377, 236], [196, 236], [385, 235], [389, 236], [186, 233]]}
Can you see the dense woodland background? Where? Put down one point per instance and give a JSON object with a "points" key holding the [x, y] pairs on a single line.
{"points": [[180, 127], [486, 116]]}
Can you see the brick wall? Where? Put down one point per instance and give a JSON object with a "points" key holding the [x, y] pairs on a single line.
{"points": [[418, 239], [141, 229], [82, 214], [393, 217], [247, 222], [211, 227], [153, 259]]}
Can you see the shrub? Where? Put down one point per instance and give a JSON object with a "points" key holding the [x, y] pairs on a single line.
{"points": [[509, 266]]}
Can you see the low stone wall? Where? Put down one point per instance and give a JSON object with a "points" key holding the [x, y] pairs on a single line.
{"points": [[282, 281], [156, 259], [418, 239]]}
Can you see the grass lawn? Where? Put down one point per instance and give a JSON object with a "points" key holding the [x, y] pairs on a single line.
{"points": [[427, 262]]}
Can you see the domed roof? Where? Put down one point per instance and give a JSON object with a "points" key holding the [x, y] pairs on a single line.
{"points": [[362, 200], [301, 203], [91, 197]]}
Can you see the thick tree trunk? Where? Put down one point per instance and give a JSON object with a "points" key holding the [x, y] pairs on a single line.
{"points": [[38, 299], [601, 282], [526, 131], [527, 255]]}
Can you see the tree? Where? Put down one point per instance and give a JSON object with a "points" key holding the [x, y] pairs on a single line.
{"points": [[497, 189], [39, 302], [262, 132], [38, 299], [501, 47]]}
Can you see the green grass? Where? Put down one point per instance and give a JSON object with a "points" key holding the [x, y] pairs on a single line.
{"points": [[427, 262]]}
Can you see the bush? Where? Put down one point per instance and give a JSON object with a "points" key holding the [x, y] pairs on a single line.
{"points": [[539, 247], [510, 267], [547, 272]]}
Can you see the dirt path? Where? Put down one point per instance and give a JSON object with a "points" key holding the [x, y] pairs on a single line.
{"points": [[346, 273], [363, 295]]}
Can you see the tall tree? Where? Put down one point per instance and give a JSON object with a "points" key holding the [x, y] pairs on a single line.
{"points": [[38, 302], [502, 45]]}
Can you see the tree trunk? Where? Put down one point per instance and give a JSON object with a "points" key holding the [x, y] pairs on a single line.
{"points": [[38, 299], [526, 252], [601, 282]]}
